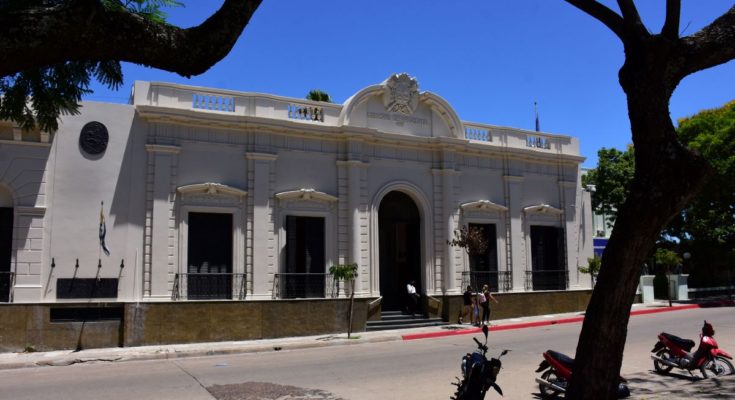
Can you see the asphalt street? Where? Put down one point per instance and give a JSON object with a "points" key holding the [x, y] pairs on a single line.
{"points": [[414, 369]]}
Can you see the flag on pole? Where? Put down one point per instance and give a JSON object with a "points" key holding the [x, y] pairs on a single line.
{"points": [[535, 109], [103, 230]]}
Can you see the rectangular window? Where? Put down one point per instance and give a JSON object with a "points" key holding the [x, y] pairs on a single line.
{"points": [[484, 267], [305, 258], [209, 274], [547, 258]]}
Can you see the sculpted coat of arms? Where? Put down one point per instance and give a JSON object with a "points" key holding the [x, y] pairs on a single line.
{"points": [[401, 94]]}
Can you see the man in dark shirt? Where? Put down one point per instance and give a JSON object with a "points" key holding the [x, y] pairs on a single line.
{"points": [[467, 306]]}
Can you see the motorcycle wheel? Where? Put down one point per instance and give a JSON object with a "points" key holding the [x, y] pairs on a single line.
{"points": [[546, 391], [719, 366], [661, 367], [470, 389]]}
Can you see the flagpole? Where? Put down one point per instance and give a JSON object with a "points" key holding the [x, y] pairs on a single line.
{"points": [[99, 243], [535, 110]]}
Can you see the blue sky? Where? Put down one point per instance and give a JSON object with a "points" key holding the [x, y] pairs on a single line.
{"points": [[490, 59]]}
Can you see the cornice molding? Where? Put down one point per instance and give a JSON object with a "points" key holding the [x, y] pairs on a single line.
{"points": [[31, 211], [162, 148], [514, 178], [261, 156], [441, 171], [353, 163]]}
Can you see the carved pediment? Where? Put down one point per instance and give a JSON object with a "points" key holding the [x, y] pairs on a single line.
{"points": [[483, 206], [306, 195], [210, 190], [542, 209]]}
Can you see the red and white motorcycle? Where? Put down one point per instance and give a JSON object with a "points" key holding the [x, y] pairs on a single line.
{"points": [[673, 352]]}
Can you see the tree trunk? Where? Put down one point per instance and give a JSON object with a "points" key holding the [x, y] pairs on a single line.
{"points": [[667, 176], [352, 306]]}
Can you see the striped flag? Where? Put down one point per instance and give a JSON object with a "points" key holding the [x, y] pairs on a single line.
{"points": [[103, 231]]}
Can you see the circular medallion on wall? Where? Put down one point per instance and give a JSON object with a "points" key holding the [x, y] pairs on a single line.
{"points": [[93, 138]]}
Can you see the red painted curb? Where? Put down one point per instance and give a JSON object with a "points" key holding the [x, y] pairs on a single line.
{"points": [[534, 324]]}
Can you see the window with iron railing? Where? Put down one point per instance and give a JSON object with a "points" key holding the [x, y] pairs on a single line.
{"points": [[209, 286], [303, 285], [547, 280], [499, 281], [548, 270]]}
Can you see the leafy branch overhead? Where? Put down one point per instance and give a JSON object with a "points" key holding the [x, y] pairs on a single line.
{"points": [[53, 48], [471, 239]]}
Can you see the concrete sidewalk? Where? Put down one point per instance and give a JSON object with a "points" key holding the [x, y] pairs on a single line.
{"points": [[68, 357]]}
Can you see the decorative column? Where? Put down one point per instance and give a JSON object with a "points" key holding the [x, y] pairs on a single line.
{"points": [[354, 168], [262, 238], [514, 187], [159, 215], [567, 201], [449, 216]]}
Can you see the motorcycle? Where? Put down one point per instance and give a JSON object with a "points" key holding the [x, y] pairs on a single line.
{"points": [[478, 374], [558, 373], [673, 352]]}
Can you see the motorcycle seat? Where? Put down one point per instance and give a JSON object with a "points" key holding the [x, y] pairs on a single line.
{"points": [[685, 344], [562, 358]]}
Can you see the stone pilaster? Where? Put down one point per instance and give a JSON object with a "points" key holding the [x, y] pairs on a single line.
{"points": [[261, 234], [159, 216], [514, 186]]}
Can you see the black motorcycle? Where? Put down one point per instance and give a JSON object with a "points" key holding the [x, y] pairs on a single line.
{"points": [[478, 373]]}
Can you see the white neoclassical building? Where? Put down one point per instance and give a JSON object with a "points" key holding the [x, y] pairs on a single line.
{"points": [[216, 194]]}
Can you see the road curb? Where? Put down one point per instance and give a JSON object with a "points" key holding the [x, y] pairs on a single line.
{"points": [[558, 321]]}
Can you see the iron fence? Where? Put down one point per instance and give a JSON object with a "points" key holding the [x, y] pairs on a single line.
{"points": [[557, 279], [303, 285], [208, 286], [6, 283], [500, 281]]}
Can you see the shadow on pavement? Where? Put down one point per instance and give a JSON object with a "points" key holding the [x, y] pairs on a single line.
{"points": [[651, 385]]}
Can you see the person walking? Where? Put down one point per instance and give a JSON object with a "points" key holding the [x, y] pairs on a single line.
{"points": [[486, 297], [466, 306]]}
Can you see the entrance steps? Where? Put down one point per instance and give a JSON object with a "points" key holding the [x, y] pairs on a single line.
{"points": [[400, 320]]}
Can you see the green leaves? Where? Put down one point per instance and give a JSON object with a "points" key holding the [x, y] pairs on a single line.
{"points": [[36, 97], [344, 272], [471, 239], [593, 265], [318, 95], [149, 9], [612, 179], [666, 257]]}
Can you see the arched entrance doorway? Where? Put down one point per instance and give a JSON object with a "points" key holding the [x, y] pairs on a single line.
{"points": [[399, 226]]}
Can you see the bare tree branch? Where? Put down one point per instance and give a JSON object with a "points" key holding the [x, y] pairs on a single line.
{"points": [[85, 30], [603, 14], [673, 15], [711, 46], [631, 17]]}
